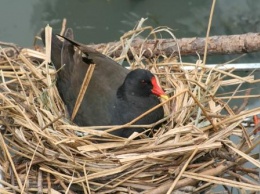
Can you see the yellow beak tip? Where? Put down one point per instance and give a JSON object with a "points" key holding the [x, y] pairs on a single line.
{"points": [[164, 96]]}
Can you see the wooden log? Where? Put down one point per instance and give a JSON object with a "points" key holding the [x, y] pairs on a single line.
{"points": [[232, 44], [224, 45]]}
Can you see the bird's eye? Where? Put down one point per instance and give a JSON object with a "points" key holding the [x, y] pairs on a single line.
{"points": [[143, 82]]}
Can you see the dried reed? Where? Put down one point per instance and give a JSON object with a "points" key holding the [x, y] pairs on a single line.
{"points": [[41, 151]]}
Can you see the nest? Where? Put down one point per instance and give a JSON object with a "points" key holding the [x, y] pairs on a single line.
{"points": [[42, 151]]}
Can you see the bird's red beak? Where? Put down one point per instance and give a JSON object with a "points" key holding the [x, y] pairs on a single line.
{"points": [[157, 90]]}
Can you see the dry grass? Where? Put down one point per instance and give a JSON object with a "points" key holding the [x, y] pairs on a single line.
{"points": [[40, 150]]}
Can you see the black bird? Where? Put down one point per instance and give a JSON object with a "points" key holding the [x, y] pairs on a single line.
{"points": [[114, 96], [135, 96], [72, 67]]}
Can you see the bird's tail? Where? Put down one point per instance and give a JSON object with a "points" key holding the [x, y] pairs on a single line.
{"points": [[61, 51]]}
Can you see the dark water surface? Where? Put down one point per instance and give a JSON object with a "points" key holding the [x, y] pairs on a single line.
{"points": [[96, 21]]}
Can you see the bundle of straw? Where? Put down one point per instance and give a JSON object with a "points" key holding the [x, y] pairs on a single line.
{"points": [[42, 151]]}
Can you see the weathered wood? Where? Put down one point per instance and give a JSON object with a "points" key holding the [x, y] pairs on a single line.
{"points": [[232, 44]]}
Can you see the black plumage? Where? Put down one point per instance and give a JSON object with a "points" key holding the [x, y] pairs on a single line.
{"points": [[114, 96], [134, 97], [72, 67]]}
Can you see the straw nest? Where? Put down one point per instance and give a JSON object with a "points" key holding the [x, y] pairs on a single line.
{"points": [[42, 151]]}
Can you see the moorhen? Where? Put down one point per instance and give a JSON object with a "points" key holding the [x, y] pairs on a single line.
{"points": [[135, 96], [114, 96], [72, 67]]}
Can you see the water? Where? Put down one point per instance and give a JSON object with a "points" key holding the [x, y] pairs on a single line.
{"points": [[104, 21]]}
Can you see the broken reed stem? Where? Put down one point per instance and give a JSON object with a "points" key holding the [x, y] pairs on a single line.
{"points": [[50, 123], [11, 186], [28, 169], [83, 90], [86, 177], [222, 181], [63, 26], [203, 110], [247, 157], [11, 161], [182, 171], [208, 31], [146, 113], [191, 181]]}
